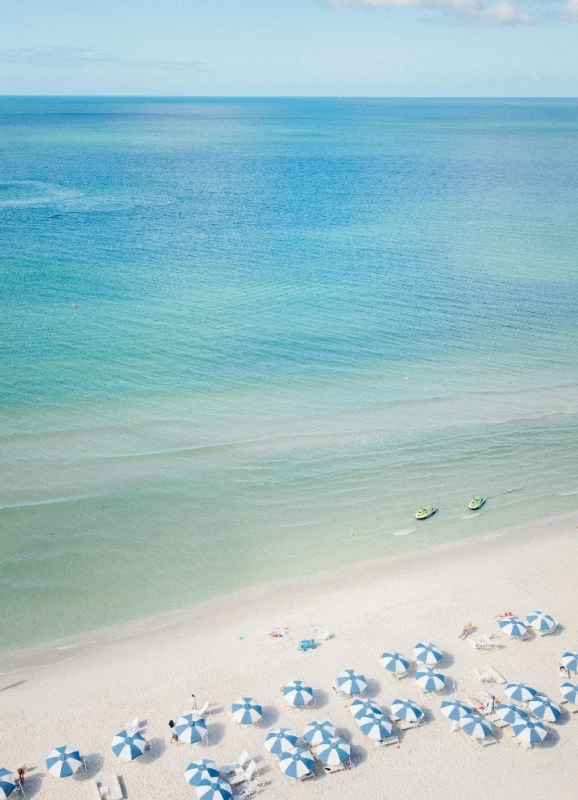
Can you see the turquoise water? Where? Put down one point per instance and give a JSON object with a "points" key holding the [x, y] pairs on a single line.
{"points": [[297, 321]]}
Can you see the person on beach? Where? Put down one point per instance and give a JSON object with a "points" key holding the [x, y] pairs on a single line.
{"points": [[20, 776], [174, 737], [193, 702], [562, 670], [467, 629]]}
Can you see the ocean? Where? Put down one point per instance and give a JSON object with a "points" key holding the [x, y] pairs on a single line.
{"points": [[246, 339]]}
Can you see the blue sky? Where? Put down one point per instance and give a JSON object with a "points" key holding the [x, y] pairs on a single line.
{"points": [[290, 47]]}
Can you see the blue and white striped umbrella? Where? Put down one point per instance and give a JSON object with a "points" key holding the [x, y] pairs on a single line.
{"points": [[297, 693], [280, 741], [333, 752], [475, 726], [394, 662], [569, 692], [191, 728], [544, 708], [402, 708], [246, 711], [430, 679], [297, 763], [199, 771], [128, 746], [375, 728], [520, 692], [7, 783], [362, 708], [541, 621], [427, 653], [511, 713], [570, 661], [455, 709], [351, 682], [318, 731], [513, 627], [215, 789], [63, 762], [530, 732]]}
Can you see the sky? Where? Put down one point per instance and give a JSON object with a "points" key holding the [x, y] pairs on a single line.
{"points": [[372, 48]]}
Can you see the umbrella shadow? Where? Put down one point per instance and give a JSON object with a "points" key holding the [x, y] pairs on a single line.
{"points": [[373, 688], [565, 718], [551, 740], [269, 717], [157, 749], [321, 698], [32, 784], [93, 762], [215, 733], [358, 754], [447, 660]]}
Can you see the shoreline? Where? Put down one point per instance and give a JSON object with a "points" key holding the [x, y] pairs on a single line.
{"points": [[248, 599]]}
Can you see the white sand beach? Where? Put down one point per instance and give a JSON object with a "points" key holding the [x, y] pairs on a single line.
{"points": [[225, 650]]}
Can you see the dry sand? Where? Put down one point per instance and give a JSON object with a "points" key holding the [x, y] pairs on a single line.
{"points": [[225, 651]]}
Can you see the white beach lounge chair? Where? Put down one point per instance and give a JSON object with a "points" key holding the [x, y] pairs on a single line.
{"points": [[497, 721], [203, 710], [245, 775], [239, 766], [387, 742], [249, 790], [334, 767], [114, 788], [405, 725], [486, 741], [94, 790]]}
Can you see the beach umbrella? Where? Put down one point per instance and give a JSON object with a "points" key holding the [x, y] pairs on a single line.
{"points": [[570, 661], [511, 713], [333, 751], [191, 728], [569, 692], [128, 747], [375, 728], [427, 653], [297, 693], [214, 789], [529, 732], [394, 662], [407, 710], [520, 692], [513, 627], [296, 763], [246, 711], [430, 679], [455, 709], [317, 731], [199, 771], [475, 726], [63, 762], [351, 682], [362, 708], [540, 621], [544, 708], [280, 741], [7, 783]]}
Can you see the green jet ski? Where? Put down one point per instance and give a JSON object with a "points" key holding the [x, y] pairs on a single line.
{"points": [[425, 512], [476, 502]]}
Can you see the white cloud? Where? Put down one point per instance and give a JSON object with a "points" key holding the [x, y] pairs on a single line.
{"points": [[570, 10], [82, 56], [486, 11]]}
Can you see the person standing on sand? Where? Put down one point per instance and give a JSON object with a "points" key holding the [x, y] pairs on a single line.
{"points": [[174, 736], [20, 776], [193, 702]]}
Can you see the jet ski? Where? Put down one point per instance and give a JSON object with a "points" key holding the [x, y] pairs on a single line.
{"points": [[425, 512], [476, 502]]}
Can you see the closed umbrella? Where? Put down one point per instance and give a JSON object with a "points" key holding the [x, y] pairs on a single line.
{"points": [[361, 708], [199, 771], [394, 662], [128, 747], [280, 741], [544, 708], [375, 727], [246, 711], [455, 709], [351, 682], [297, 763], [427, 653], [214, 789], [569, 692], [430, 679], [63, 761], [520, 692], [513, 627], [407, 710], [7, 783], [475, 726], [297, 693], [317, 731], [333, 752], [529, 732], [541, 622], [511, 713], [191, 728]]}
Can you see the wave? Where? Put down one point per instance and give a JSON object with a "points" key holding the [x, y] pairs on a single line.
{"points": [[567, 494], [50, 502]]}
